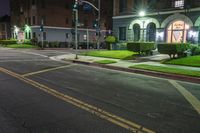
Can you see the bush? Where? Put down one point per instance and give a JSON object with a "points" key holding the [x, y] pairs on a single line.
{"points": [[120, 46], [8, 42], [27, 42], [141, 47], [83, 45], [173, 49], [54, 44], [109, 41], [195, 50]]}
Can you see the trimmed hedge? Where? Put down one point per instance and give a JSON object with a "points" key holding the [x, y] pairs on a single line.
{"points": [[8, 42], [195, 50], [141, 47], [173, 49]]}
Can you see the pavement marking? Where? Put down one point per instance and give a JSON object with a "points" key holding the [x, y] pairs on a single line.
{"points": [[46, 70], [26, 52], [129, 125], [190, 98]]}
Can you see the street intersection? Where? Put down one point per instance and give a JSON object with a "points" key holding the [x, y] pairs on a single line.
{"points": [[41, 95]]}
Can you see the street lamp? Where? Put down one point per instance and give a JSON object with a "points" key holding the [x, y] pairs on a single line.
{"points": [[142, 14], [79, 2]]}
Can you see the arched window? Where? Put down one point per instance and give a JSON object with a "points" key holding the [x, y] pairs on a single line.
{"points": [[136, 32], [151, 32], [177, 32]]}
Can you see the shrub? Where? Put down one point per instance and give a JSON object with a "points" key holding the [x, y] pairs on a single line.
{"points": [[54, 44], [173, 49], [195, 50], [120, 46], [45, 44], [109, 40], [8, 42], [141, 47], [27, 42]]}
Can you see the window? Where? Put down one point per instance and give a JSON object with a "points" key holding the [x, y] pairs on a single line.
{"points": [[34, 35], [67, 35], [136, 32], [33, 2], [44, 35], [122, 5], [67, 21], [67, 5], [3, 28], [179, 4], [177, 32], [33, 20], [43, 18], [122, 33], [42, 3], [29, 21]]}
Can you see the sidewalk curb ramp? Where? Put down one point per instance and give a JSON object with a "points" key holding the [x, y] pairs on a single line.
{"points": [[145, 72]]}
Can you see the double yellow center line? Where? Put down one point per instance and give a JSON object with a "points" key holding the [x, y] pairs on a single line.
{"points": [[129, 125]]}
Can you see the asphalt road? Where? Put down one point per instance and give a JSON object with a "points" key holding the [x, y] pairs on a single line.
{"points": [[38, 95]]}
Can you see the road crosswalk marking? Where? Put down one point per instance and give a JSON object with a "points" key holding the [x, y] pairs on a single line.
{"points": [[189, 97]]}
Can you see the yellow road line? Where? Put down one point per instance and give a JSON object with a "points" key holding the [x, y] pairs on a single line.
{"points": [[46, 70], [131, 126], [190, 98]]}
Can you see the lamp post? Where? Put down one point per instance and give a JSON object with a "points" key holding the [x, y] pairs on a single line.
{"points": [[98, 19], [142, 14]]}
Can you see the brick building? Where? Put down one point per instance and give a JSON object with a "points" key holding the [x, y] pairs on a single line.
{"points": [[5, 32], [57, 16], [164, 21]]}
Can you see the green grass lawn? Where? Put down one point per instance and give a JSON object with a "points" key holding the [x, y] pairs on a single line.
{"points": [[21, 46], [105, 61], [187, 61], [115, 54], [168, 70]]}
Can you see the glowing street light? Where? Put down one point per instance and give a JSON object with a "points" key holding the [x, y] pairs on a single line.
{"points": [[142, 13]]}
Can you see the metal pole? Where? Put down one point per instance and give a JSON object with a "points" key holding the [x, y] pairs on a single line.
{"points": [[42, 36], [88, 38], [99, 19], [76, 32], [143, 31]]}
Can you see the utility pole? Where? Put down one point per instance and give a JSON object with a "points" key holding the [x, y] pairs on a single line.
{"points": [[98, 9], [99, 24], [75, 9], [42, 32]]}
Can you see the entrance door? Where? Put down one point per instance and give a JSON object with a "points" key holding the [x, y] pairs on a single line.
{"points": [[177, 32]]}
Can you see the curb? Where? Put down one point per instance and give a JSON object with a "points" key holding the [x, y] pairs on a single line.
{"points": [[145, 72]]}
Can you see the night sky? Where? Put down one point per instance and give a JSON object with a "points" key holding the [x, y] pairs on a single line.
{"points": [[4, 7]]}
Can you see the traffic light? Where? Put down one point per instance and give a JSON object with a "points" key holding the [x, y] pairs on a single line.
{"points": [[75, 6], [95, 24], [41, 28]]}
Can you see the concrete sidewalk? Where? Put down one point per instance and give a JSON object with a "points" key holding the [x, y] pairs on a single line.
{"points": [[121, 63]]}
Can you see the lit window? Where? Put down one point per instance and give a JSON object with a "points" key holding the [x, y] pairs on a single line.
{"points": [[179, 4]]}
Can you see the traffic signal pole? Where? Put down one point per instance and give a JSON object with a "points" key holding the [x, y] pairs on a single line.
{"points": [[42, 32], [99, 23], [98, 19], [76, 32], [76, 27]]}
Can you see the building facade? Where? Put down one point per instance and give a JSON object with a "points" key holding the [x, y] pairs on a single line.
{"points": [[5, 32], [171, 21], [57, 18]]}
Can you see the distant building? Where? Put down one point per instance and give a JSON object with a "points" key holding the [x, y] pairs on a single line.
{"points": [[170, 21], [5, 32], [57, 17]]}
